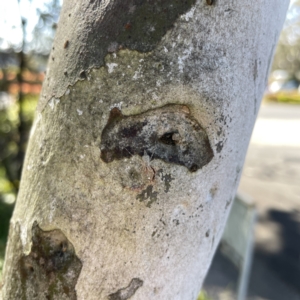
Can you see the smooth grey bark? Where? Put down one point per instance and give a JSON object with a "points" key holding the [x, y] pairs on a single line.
{"points": [[137, 147]]}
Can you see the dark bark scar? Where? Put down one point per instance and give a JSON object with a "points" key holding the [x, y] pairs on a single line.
{"points": [[127, 292], [51, 269], [168, 133]]}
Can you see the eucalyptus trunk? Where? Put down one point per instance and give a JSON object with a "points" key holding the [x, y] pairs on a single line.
{"points": [[137, 147]]}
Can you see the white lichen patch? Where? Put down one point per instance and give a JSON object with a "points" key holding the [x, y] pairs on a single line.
{"points": [[154, 96], [23, 234], [189, 15], [181, 59], [52, 209], [37, 120], [118, 105], [53, 102], [111, 67], [138, 74]]}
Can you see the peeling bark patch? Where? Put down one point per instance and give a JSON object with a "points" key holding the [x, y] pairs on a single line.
{"points": [[51, 269], [127, 292], [147, 194], [168, 133]]}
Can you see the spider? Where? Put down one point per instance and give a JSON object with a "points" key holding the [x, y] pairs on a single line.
{"points": [[147, 168]]}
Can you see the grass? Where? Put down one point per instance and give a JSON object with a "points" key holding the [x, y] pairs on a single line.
{"points": [[291, 97]]}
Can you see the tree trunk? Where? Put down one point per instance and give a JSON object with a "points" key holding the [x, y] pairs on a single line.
{"points": [[138, 146]]}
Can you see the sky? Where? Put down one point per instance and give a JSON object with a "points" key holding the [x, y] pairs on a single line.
{"points": [[10, 21], [292, 14]]}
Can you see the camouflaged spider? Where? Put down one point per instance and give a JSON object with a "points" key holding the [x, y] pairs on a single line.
{"points": [[147, 168]]}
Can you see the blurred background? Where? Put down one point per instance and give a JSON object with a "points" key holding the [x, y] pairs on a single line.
{"points": [[271, 175]]}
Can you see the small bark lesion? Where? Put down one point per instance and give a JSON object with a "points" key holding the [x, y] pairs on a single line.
{"points": [[127, 292], [148, 194]]}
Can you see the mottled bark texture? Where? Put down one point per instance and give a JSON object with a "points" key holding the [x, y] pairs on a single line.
{"points": [[137, 147]]}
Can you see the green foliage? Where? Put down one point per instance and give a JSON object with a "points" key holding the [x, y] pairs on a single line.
{"points": [[5, 215], [287, 53], [9, 141], [203, 296], [284, 97], [9, 163]]}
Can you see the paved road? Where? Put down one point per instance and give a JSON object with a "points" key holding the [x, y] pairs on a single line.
{"points": [[271, 176]]}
